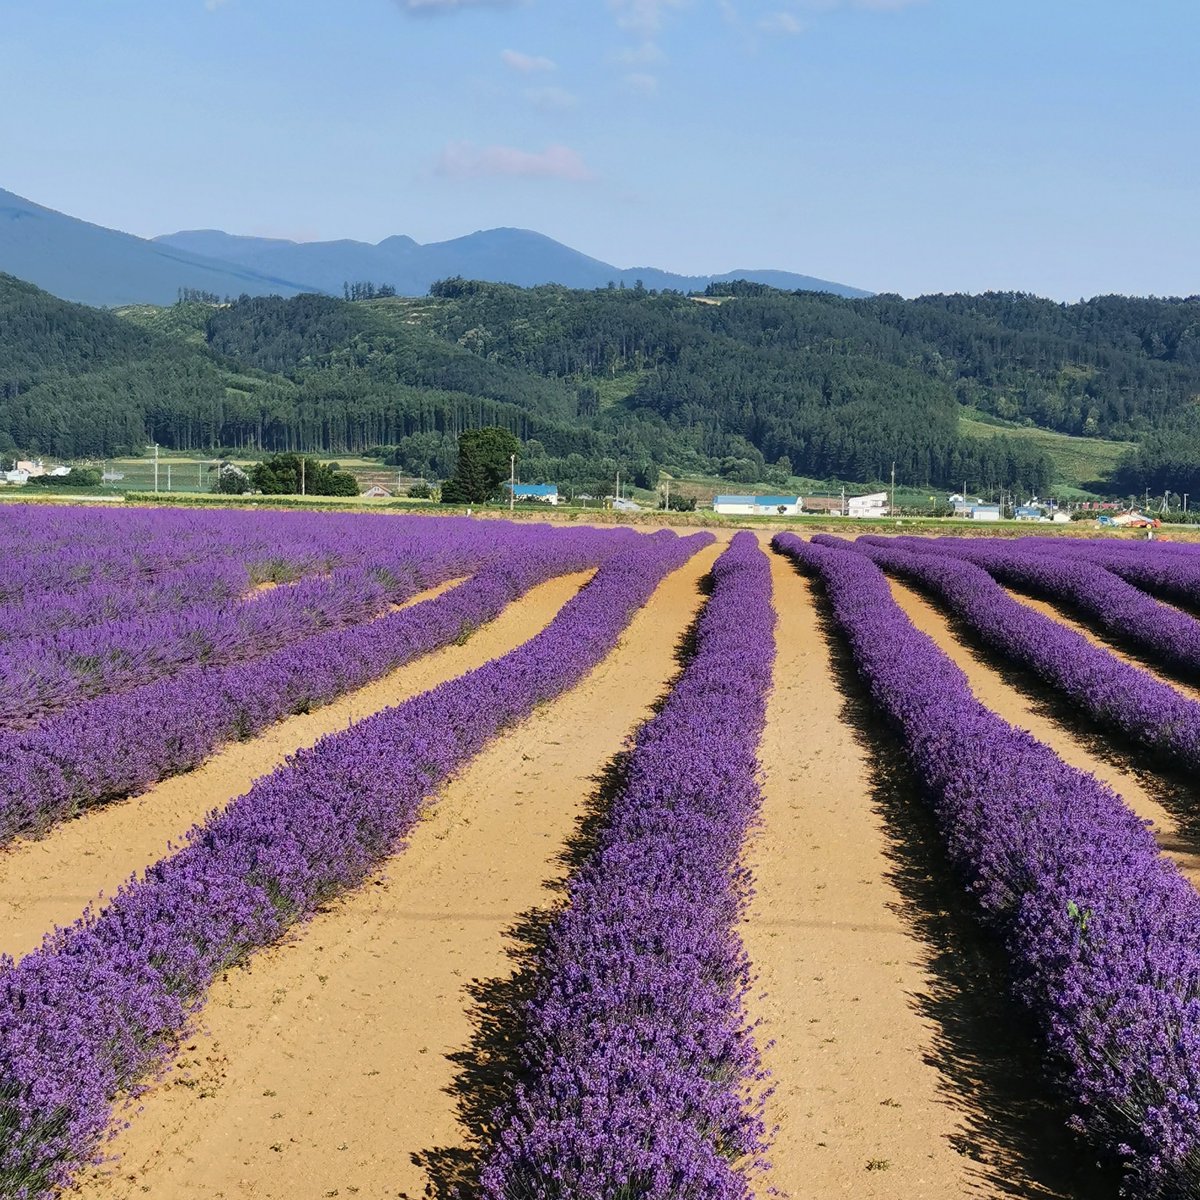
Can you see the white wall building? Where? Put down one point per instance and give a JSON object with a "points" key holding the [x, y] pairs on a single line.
{"points": [[873, 505]]}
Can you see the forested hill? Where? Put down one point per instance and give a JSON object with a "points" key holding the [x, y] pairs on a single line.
{"points": [[755, 386]]}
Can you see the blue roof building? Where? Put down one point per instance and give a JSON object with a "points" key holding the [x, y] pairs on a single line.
{"points": [[547, 493]]}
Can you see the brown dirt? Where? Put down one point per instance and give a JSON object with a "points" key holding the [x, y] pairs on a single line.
{"points": [[994, 690], [327, 1062], [50, 881], [837, 964]]}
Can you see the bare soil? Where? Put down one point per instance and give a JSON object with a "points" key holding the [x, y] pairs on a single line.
{"points": [[860, 1109], [329, 1066]]}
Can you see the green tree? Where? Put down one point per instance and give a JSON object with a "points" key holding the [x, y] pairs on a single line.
{"points": [[483, 465], [289, 474]]}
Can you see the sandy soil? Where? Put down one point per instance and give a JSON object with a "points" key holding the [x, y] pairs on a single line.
{"points": [[994, 689], [328, 1064], [50, 881], [837, 963]]}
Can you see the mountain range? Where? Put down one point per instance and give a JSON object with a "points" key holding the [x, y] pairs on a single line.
{"points": [[80, 261]]}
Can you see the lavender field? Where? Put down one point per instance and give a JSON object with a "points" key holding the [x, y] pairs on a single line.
{"points": [[358, 854]]}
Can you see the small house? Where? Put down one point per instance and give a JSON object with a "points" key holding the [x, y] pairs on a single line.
{"points": [[1060, 517], [985, 512], [1028, 512], [758, 506], [375, 492]]}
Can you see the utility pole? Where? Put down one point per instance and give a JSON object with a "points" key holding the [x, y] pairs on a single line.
{"points": [[618, 496], [302, 491], [667, 496], [199, 477], [512, 482], [892, 503], [843, 499], [156, 468], [168, 477]]}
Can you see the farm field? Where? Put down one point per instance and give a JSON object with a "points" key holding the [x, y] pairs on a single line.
{"points": [[366, 854]]}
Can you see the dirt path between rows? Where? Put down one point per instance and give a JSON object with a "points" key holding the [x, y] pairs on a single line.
{"points": [[993, 689], [327, 1063], [859, 1108], [50, 881]]}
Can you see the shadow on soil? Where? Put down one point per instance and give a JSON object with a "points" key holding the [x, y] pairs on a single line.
{"points": [[984, 1047], [1169, 785], [489, 1068]]}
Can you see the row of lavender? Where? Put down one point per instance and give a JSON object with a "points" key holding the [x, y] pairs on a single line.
{"points": [[116, 745], [1124, 612], [101, 1004], [1102, 932], [1110, 691], [120, 552], [637, 1067], [46, 674]]}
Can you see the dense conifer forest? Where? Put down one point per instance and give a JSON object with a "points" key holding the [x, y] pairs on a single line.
{"points": [[752, 384]]}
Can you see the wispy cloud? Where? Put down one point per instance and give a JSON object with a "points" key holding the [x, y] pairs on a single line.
{"points": [[435, 7], [527, 64], [551, 99], [782, 22], [643, 16], [639, 56], [464, 160], [642, 83]]}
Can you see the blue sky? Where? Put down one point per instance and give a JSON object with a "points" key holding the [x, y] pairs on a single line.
{"points": [[900, 145]]}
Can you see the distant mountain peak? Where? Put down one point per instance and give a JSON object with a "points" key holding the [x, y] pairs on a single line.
{"points": [[77, 260]]}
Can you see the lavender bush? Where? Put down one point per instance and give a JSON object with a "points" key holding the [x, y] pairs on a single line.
{"points": [[113, 746], [1124, 612], [637, 1067], [101, 1004], [1101, 931], [43, 675], [93, 604], [1111, 692]]}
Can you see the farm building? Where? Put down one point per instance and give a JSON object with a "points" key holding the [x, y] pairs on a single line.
{"points": [[544, 493], [1028, 512], [757, 506], [377, 493], [824, 504], [874, 504], [984, 512]]}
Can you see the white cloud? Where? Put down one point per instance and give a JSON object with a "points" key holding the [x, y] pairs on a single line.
{"points": [[464, 160], [552, 99], [433, 7], [527, 64], [642, 83], [782, 22], [642, 16], [639, 56]]}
